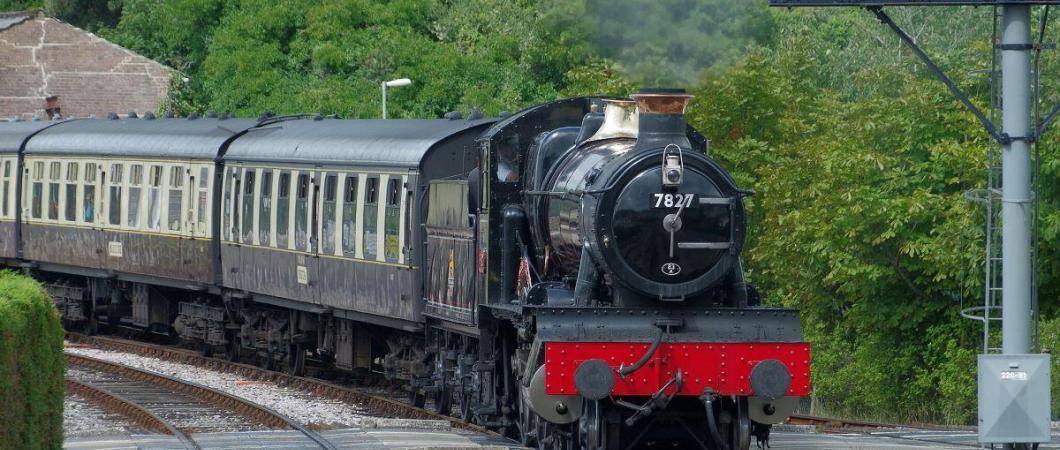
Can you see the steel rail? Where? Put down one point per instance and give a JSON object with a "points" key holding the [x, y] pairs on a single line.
{"points": [[129, 409], [260, 413], [377, 404]]}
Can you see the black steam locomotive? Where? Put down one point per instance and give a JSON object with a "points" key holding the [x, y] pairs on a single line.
{"points": [[569, 274]]}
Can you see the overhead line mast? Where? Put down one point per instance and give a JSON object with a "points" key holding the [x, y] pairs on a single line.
{"points": [[1014, 385]]}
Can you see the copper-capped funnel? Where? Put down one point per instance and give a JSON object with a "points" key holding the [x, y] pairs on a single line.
{"points": [[662, 101]]}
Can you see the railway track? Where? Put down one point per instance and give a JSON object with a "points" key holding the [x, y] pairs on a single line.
{"points": [[172, 406], [378, 405], [129, 409]]}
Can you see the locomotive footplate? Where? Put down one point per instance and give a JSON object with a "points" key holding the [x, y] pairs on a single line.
{"points": [[740, 352]]}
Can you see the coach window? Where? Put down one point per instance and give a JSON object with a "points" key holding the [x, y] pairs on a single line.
{"points": [[154, 198], [89, 203], [371, 217], [72, 179], [247, 226], [349, 217], [204, 194], [328, 218], [283, 209], [226, 225], [37, 191], [301, 213], [176, 197], [6, 188], [117, 174], [391, 225], [54, 177], [136, 180], [265, 208]]}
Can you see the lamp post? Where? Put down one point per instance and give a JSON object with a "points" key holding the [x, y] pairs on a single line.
{"points": [[393, 83]]}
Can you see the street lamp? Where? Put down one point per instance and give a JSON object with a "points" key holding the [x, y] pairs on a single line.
{"points": [[393, 83]]}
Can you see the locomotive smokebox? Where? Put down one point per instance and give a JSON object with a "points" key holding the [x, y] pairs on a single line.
{"points": [[662, 117]]}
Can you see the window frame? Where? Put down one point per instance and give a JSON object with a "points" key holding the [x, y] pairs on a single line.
{"points": [[395, 193], [6, 202], [283, 184], [115, 178], [343, 203], [129, 186], [371, 201], [156, 181], [305, 191], [266, 185], [89, 177], [177, 176], [203, 210], [321, 202], [248, 206], [71, 179], [54, 178]]}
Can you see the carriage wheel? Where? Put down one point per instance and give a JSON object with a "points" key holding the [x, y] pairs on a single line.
{"points": [[295, 360]]}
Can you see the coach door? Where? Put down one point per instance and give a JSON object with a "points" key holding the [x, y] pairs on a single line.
{"points": [[309, 194], [94, 206], [196, 245]]}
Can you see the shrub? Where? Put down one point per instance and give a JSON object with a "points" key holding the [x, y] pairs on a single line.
{"points": [[31, 366]]}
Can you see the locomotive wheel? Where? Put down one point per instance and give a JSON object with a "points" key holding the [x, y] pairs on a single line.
{"points": [[529, 424], [598, 428], [740, 434], [553, 437]]}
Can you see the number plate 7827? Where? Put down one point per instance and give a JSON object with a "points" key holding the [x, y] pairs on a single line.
{"points": [[674, 200]]}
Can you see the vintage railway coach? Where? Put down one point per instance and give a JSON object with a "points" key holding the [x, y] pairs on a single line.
{"points": [[569, 275], [124, 200], [323, 217]]}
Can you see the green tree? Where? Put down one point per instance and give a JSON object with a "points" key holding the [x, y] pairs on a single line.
{"points": [[20, 5]]}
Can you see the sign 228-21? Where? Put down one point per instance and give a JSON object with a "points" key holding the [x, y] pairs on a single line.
{"points": [[674, 200]]}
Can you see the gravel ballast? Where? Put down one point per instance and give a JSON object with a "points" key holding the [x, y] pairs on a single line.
{"points": [[303, 407], [83, 419]]}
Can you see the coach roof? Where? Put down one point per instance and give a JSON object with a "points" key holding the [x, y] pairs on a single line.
{"points": [[140, 138], [13, 134], [391, 143]]}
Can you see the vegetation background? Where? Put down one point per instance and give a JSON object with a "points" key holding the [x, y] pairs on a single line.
{"points": [[31, 366], [858, 155]]}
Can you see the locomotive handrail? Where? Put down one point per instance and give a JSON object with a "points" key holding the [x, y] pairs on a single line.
{"points": [[656, 341]]}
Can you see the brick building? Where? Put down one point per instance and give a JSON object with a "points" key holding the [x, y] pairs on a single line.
{"points": [[46, 63]]}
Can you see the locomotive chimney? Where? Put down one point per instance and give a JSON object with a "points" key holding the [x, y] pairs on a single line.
{"points": [[620, 121], [662, 117]]}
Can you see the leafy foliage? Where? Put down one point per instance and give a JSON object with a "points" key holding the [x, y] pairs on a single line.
{"points": [[88, 14], [31, 366], [20, 5], [860, 220]]}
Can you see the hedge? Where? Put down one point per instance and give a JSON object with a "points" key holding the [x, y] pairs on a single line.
{"points": [[31, 366]]}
